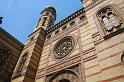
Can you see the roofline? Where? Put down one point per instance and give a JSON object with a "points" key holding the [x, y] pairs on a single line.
{"points": [[65, 20], [10, 36]]}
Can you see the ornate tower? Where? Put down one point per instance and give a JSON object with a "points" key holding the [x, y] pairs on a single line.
{"points": [[47, 18], [26, 68]]}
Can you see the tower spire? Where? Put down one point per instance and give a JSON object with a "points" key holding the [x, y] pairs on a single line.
{"points": [[47, 18]]}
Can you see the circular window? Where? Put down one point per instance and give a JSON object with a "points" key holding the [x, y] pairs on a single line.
{"points": [[63, 47]]}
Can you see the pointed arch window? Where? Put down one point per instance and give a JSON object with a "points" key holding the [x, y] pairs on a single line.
{"points": [[21, 64], [114, 19], [109, 21], [122, 59], [44, 21]]}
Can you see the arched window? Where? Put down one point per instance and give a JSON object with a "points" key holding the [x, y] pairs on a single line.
{"points": [[114, 19], [48, 36], [4, 58], [21, 64], [109, 21], [44, 21], [72, 23], [122, 59], [56, 32]]}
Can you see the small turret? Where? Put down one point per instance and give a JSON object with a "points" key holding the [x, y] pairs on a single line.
{"points": [[47, 18]]}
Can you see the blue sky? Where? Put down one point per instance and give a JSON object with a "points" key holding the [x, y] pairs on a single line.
{"points": [[21, 16]]}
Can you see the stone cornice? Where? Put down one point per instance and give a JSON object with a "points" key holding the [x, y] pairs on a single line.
{"points": [[74, 15], [66, 20]]}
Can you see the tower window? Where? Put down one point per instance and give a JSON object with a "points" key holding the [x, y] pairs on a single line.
{"points": [[47, 13], [44, 21]]}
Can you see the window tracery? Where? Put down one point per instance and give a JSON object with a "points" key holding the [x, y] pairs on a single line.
{"points": [[21, 64], [109, 20], [64, 47]]}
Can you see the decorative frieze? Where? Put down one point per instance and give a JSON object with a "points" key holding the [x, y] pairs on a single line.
{"points": [[63, 65], [97, 38]]}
